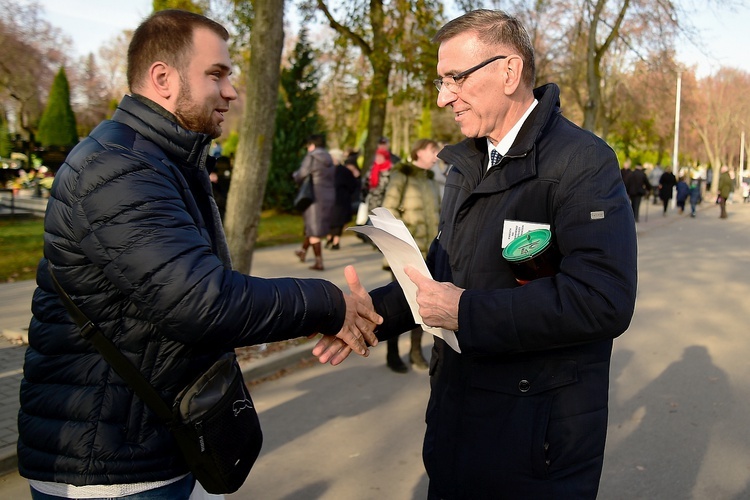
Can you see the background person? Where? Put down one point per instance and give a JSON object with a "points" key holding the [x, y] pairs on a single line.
{"points": [[378, 176], [726, 186], [413, 195], [654, 174], [318, 216], [667, 182], [695, 195], [133, 235], [347, 191], [637, 186], [682, 192]]}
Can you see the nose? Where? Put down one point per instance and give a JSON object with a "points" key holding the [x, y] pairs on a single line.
{"points": [[445, 97], [228, 91]]}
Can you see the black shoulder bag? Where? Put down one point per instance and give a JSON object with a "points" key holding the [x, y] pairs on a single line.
{"points": [[213, 420], [306, 194]]}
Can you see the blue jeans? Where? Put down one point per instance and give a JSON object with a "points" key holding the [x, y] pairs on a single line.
{"points": [[179, 490]]}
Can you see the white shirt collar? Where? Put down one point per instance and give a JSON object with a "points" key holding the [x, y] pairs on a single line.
{"points": [[506, 142]]}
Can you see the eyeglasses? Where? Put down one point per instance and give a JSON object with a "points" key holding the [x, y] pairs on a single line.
{"points": [[453, 83]]}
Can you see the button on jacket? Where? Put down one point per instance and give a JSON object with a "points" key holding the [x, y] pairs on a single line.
{"points": [[522, 411]]}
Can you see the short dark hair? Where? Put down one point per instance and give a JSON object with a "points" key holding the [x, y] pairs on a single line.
{"points": [[493, 28], [319, 140], [166, 36], [419, 145]]}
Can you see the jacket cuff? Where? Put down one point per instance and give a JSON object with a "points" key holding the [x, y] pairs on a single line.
{"points": [[391, 304], [326, 307]]}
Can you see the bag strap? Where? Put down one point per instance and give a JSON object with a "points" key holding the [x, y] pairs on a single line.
{"points": [[117, 360]]}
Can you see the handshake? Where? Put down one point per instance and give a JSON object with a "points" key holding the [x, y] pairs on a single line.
{"points": [[438, 307], [358, 331]]}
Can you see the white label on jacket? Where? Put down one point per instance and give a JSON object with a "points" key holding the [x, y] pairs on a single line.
{"points": [[597, 215], [512, 229]]}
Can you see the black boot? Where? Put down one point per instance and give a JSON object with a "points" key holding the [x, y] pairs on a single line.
{"points": [[415, 354], [393, 359]]}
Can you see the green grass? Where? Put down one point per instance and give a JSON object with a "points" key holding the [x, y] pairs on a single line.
{"points": [[279, 229], [20, 247], [21, 243]]}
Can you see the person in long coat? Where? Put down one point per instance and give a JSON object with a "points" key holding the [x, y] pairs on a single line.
{"points": [[637, 185], [347, 190], [317, 216], [667, 182]]}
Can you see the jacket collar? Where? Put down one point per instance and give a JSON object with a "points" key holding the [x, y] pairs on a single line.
{"points": [[187, 148], [549, 105], [470, 155]]}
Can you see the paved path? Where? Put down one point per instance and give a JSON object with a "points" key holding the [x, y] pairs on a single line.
{"points": [[680, 391], [680, 386]]}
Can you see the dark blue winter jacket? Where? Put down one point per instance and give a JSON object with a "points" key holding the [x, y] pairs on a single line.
{"points": [[521, 412], [130, 236]]}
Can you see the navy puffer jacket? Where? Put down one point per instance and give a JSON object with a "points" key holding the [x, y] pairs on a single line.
{"points": [[130, 236]]}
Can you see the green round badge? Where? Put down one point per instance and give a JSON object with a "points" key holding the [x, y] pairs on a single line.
{"points": [[527, 246]]}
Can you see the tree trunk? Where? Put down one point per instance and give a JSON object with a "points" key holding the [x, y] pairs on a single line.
{"points": [[380, 58], [593, 107], [378, 103], [250, 170], [593, 84]]}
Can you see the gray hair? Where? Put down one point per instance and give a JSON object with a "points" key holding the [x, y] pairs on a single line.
{"points": [[494, 28]]}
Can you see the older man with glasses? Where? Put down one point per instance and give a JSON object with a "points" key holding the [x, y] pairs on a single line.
{"points": [[521, 411]]}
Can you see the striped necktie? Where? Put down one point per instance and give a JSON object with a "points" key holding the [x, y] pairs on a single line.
{"points": [[495, 157]]}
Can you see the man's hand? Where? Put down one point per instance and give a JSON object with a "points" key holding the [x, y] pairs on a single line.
{"points": [[367, 319], [438, 302], [358, 331], [331, 349]]}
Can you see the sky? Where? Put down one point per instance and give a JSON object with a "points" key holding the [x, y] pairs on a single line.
{"points": [[721, 33], [90, 23]]}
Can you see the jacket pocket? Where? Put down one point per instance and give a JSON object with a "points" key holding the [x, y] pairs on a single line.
{"points": [[515, 402], [523, 379]]}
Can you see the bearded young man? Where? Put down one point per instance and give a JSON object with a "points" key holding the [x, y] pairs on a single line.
{"points": [[134, 236]]}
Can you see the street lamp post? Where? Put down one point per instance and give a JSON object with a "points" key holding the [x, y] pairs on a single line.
{"points": [[742, 160], [676, 125], [675, 149], [742, 153]]}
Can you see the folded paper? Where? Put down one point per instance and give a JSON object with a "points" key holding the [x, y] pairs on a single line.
{"points": [[392, 237]]}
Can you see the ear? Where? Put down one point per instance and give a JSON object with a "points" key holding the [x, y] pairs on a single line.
{"points": [[163, 80], [512, 75]]}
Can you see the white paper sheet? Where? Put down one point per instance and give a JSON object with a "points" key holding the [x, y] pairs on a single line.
{"points": [[400, 250], [512, 229]]}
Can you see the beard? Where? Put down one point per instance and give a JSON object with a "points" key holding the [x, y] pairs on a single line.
{"points": [[194, 116]]}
